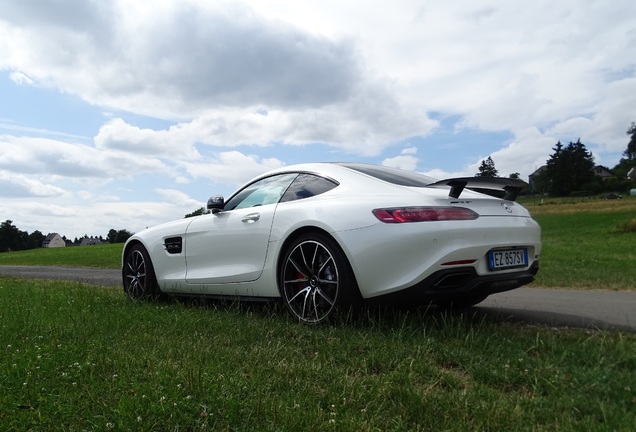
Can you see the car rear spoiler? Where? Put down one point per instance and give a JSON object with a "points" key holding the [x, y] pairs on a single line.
{"points": [[499, 187]]}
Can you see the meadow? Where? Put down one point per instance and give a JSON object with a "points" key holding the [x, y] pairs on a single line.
{"points": [[78, 357], [587, 244]]}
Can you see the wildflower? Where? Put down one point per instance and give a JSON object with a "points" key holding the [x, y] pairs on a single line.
{"points": [[204, 413]]}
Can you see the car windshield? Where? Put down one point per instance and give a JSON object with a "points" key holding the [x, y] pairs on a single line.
{"points": [[391, 175]]}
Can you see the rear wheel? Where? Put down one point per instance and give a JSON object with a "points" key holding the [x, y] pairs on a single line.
{"points": [[315, 279], [138, 275]]}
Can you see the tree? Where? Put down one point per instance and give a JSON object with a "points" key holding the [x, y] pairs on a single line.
{"points": [[630, 151], [514, 175], [122, 236], [112, 234], [35, 239], [569, 169], [487, 168], [11, 238], [628, 161], [197, 212]]}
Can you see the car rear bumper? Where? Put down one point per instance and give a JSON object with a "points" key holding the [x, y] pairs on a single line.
{"points": [[458, 282]]}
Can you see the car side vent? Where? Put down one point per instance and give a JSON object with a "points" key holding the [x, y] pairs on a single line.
{"points": [[173, 245]]}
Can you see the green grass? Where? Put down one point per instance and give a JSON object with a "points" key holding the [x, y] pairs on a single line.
{"points": [[99, 256], [587, 245], [76, 357]]}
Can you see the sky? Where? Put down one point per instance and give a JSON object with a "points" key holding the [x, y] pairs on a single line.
{"points": [[119, 114]]}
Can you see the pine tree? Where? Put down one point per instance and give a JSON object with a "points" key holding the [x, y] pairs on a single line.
{"points": [[630, 151], [569, 168], [487, 168]]}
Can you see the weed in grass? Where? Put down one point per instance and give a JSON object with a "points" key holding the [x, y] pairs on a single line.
{"points": [[628, 226]]}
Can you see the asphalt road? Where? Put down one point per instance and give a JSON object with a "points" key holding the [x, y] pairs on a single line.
{"points": [[597, 309]]}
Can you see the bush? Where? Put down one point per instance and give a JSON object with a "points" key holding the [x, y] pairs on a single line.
{"points": [[629, 226]]}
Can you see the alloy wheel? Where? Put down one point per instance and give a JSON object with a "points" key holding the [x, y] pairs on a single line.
{"points": [[310, 281]]}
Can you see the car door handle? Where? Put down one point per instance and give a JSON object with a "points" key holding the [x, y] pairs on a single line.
{"points": [[251, 218]]}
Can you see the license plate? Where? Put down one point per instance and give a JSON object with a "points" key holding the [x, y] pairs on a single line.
{"points": [[509, 258]]}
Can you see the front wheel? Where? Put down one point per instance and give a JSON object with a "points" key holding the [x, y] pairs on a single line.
{"points": [[316, 280], [138, 275]]}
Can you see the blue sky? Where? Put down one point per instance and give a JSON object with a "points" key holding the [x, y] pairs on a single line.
{"points": [[118, 114]]}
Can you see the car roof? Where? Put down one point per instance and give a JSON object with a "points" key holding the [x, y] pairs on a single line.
{"points": [[353, 170]]}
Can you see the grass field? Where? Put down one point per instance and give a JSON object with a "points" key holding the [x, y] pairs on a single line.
{"points": [[99, 256], [78, 357], [587, 244]]}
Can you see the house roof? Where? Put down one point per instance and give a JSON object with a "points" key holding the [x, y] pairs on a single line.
{"points": [[539, 170]]}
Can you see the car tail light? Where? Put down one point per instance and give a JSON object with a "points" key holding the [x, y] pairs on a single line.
{"points": [[424, 214]]}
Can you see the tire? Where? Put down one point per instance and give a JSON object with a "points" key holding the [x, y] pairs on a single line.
{"points": [[316, 280], [140, 282], [462, 302]]}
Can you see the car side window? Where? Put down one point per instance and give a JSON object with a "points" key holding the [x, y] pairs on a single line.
{"points": [[306, 186], [261, 192]]}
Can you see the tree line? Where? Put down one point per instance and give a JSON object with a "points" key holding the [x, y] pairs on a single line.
{"points": [[14, 239], [569, 170]]}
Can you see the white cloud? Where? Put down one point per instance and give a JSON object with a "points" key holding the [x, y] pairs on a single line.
{"points": [[53, 159], [20, 78], [74, 218], [406, 160], [176, 143], [179, 198], [19, 186], [232, 167], [174, 58]]}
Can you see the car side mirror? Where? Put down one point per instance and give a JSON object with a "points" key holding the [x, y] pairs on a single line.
{"points": [[216, 203]]}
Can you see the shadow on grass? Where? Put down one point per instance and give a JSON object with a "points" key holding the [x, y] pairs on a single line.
{"points": [[369, 317]]}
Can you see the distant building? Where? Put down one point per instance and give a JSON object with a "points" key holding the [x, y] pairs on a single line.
{"points": [[53, 240], [90, 241], [598, 170], [533, 176], [632, 174], [602, 172]]}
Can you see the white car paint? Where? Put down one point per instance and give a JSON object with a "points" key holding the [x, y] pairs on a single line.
{"points": [[237, 252]]}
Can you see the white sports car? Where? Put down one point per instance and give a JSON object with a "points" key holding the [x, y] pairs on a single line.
{"points": [[326, 236]]}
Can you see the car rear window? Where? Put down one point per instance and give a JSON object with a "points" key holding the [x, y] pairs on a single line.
{"points": [[391, 175], [306, 186]]}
